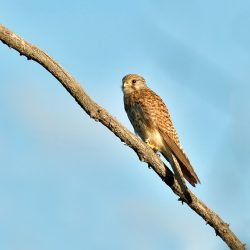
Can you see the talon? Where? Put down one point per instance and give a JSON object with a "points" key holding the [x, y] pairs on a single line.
{"points": [[147, 141]]}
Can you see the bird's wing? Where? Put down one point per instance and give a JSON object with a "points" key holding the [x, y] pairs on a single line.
{"points": [[149, 111], [185, 164], [157, 113]]}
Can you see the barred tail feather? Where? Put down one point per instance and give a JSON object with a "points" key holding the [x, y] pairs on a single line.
{"points": [[185, 165]]}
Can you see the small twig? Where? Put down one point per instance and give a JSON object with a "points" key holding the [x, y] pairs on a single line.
{"points": [[99, 114]]}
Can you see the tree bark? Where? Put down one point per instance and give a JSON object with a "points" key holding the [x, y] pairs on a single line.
{"points": [[101, 115]]}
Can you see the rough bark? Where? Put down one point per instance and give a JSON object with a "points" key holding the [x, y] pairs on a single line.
{"points": [[101, 115]]}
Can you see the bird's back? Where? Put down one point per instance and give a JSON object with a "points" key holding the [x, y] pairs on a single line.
{"points": [[148, 113], [154, 111]]}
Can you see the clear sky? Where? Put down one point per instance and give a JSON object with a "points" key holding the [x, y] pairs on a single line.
{"points": [[66, 182]]}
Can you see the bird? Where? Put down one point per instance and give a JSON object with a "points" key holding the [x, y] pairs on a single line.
{"points": [[151, 121]]}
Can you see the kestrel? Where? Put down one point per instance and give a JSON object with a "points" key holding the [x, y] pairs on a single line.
{"points": [[152, 122]]}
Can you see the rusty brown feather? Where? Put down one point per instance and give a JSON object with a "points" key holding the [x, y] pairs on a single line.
{"points": [[152, 122]]}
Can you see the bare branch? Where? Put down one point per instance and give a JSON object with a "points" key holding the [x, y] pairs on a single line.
{"points": [[101, 115]]}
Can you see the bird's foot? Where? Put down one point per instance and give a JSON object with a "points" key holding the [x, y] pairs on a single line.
{"points": [[147, 141]]}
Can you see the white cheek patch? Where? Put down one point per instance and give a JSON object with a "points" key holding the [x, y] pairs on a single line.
{"points": [[136, 87]]}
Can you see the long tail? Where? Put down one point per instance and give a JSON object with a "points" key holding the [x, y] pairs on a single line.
{"points": [[185, 165]]}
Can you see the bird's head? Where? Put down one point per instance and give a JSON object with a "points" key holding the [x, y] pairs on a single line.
{"points": [[132, 82]]}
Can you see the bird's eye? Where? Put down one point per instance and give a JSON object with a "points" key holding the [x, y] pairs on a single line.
{"points": [[133, 81]]}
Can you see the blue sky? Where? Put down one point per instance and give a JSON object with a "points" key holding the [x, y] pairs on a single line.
{"points": [[66, 182]]}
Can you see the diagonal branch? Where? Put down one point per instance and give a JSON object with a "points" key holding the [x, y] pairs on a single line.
{"points": [[101, 115]]}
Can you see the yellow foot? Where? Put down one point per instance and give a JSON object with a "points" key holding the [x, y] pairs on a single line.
{"points": [[147, 141]]}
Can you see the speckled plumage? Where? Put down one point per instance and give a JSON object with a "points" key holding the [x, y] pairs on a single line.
{"points": [[152, 122]]}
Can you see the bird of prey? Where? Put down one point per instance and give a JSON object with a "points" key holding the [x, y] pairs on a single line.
{"points": [[152, 122]]}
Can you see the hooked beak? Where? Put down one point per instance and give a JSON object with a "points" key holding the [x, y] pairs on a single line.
{"points": [[125, 85]]}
